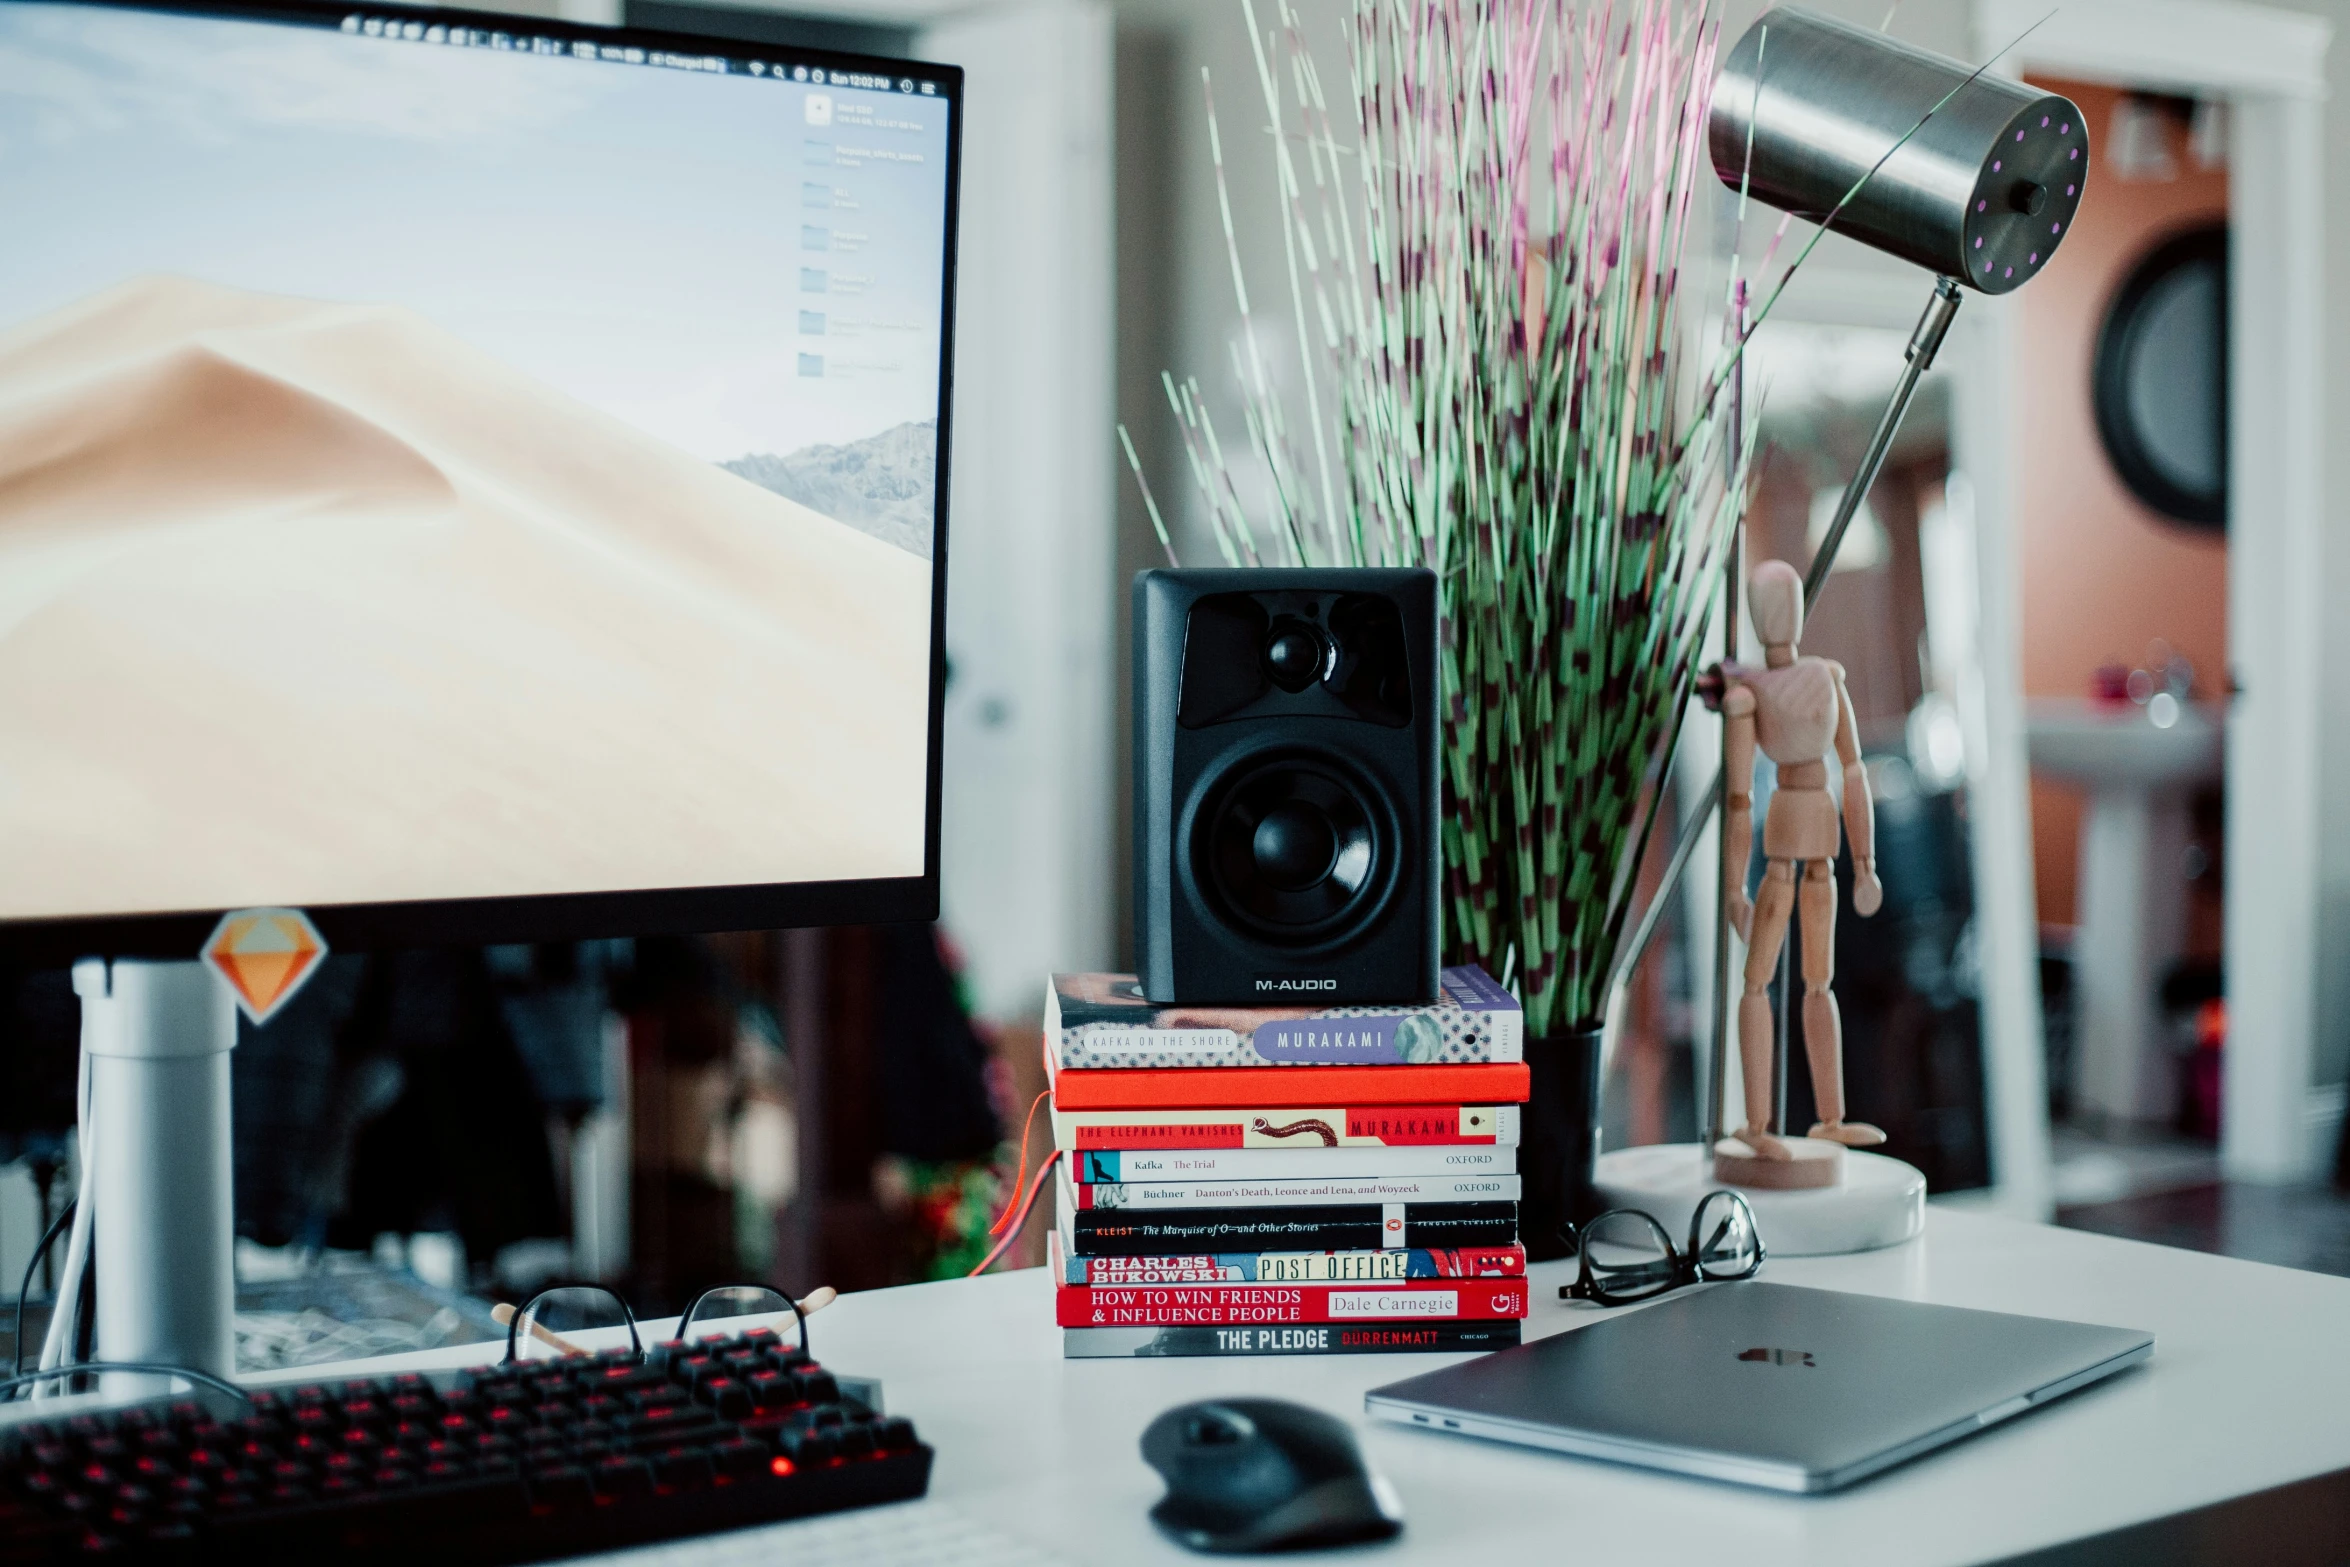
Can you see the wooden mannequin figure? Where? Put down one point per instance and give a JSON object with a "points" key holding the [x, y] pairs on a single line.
{"points": [[1795, 708]]}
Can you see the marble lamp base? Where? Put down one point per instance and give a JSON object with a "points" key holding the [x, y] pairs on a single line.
{"points": [[1879, 1202]]}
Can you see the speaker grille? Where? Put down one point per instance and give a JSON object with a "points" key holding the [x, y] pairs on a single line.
{"points": [[1295, 851]]}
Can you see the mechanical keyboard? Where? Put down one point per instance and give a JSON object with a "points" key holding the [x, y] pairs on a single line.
{"points": [[507, 1463]]}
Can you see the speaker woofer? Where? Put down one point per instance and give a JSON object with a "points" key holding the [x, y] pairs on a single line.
{"points": [[1294, 851]]}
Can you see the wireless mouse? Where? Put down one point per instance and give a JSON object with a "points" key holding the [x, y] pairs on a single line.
{"points": [[1259, 1474]]}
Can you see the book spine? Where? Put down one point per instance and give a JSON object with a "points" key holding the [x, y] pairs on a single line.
{"points": [[1101, 1021], [1287, 1267], [1155, 1196], [1433, 1035], [1384, 1338], [1376, 1126], [1235, 1305], [1110, 1166], [1235, 1087], [1302, 1267], [1370, 1227]]}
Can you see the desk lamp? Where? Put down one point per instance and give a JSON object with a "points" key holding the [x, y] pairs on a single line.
{"points": [[1976, 179]]}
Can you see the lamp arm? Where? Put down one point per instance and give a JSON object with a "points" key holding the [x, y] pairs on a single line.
{"points": [[1924, 344]]}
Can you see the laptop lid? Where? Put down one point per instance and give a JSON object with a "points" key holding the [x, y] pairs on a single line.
{"points": [[1765, 1384]]}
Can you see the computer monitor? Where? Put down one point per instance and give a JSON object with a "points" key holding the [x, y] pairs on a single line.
{"points": [[472, 477]]}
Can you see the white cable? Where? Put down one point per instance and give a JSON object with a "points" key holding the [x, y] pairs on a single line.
{"points": [[65, 1306]]}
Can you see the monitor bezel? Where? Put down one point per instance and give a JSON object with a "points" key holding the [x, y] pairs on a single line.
{"points": [[590, 915]]}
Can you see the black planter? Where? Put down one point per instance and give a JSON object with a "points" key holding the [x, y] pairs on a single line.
{"points": [[1560, 1142]]}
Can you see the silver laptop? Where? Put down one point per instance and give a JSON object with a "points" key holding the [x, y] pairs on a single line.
{"points": [[1766, 1384]]}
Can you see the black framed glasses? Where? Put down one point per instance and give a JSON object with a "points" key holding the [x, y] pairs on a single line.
{"points": [[1627, 1255]]}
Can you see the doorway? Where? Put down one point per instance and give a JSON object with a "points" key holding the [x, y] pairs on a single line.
{"points": [[2267, 68], [2123, 557]]}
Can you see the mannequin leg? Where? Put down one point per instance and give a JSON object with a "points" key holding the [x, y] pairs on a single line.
{"points": [[1823, 1023], [1773, 903]]}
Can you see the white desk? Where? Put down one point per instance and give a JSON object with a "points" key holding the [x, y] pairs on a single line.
{"points": [[2249, 1390]]}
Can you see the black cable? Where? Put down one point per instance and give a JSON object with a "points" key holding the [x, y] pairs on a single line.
{"points": [[151, 1368], [48, 1239]]}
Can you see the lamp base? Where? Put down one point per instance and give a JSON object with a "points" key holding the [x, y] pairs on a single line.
{"points": [[1880, 1201]]}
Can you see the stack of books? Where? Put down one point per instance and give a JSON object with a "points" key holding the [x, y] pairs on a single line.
{"points": [[1239, 1181]]}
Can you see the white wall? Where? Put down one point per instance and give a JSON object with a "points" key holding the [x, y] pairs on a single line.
{"points": [[1028, 858]]}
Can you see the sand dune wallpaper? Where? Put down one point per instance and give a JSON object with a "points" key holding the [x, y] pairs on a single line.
{"points": [[441, 554]]}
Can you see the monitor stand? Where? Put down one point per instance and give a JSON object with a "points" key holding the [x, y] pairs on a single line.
{"points": [[156, 1167]]}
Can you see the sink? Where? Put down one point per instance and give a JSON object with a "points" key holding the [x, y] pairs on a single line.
{"points": [[2137, 774], [2103, 745]]}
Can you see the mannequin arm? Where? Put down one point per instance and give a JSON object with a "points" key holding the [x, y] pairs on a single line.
{"points": [[1860, 811], [1738, 804]]}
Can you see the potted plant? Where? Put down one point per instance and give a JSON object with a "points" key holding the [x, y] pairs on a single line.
{"points": [[1485, 277]]}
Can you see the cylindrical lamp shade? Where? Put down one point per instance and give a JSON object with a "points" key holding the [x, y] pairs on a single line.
{"points": [[1983, 192]]}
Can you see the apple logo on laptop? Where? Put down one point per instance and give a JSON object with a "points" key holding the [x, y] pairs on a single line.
{"points": [[1779, 1357]]}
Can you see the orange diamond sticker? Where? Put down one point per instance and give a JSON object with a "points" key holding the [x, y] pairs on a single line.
{"points": [[265, 955]]}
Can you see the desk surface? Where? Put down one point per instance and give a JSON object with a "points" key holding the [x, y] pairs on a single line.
{"points": [[2249, 1389]]}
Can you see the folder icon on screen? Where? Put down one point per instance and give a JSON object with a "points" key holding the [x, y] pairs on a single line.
{"points": [[814, 236]]}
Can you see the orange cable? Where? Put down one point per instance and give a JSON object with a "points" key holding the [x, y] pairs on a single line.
{"points": [[1021, 1179], [1021, 1223]]}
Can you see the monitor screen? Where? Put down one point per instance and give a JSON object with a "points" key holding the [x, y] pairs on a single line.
{"points": [[471, 477]]}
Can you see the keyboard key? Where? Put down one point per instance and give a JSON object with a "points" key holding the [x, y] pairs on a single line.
{"points": [[683, 1469], [810, 1447], [740, 1459], [624, 1478], [565, 1487], [727, 1396]]}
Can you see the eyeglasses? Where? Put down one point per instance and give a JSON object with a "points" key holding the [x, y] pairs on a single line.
{"points": [[549, 1323], [733, 1301], [1627, 1255], [544, 1328]]}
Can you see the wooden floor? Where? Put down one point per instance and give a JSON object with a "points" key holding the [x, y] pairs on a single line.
{"points": [[2293, 1227]]}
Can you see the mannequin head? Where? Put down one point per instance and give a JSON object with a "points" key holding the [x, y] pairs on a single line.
{"points": [[1775, 595]]}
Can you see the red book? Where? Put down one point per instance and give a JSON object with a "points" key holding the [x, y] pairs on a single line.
{"points": [[1237, 1305], [1242, 1087], [1291, 1126]]}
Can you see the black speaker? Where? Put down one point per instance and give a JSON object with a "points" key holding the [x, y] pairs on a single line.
{"points": [[1285, 786]]}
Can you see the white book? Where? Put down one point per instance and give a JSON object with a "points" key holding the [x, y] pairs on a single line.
{"points": [[1101, 1021], [1112, 1166], [1147, 1196]]}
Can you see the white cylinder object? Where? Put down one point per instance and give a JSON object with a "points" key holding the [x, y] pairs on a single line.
{"points": [[1880, 1201], [158, 1037]]}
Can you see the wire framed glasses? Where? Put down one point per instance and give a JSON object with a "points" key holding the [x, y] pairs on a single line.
{"points": [[550, 1325], [543, 1329], [1627, 1256], [743, 1300]]}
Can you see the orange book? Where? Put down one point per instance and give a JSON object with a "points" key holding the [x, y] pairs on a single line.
{"points": [[1245, 1087]]}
